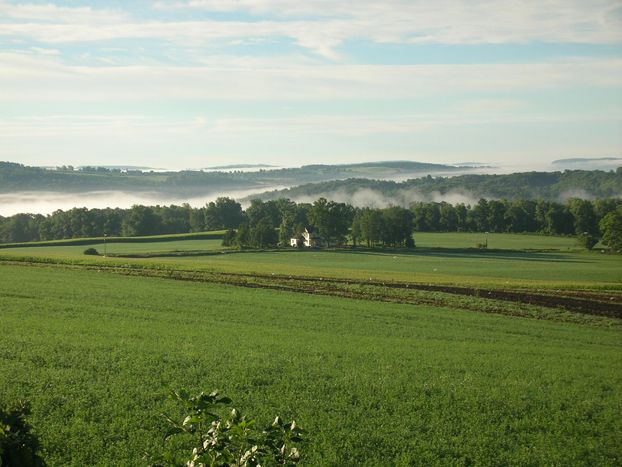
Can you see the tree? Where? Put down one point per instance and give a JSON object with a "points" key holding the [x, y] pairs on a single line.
{"points": [[268, 211], [587, 240], [367, 225], [611, 228], [140, 220], [516, 218], [397, 226], [496, 215], [448, 217], [294, 220], [263, 235], [243, 236], [224, 213], [558, 220], [228, 239], [479, 216], [196, 220], [584, 217], [331, 219], [19, 228]]}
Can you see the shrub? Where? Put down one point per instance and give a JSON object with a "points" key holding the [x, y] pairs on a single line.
{"points": [[216, 440], [228, 238], [587, 240], [18, 446], [91, 251]]}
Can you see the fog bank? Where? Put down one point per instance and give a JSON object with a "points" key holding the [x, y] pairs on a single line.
{"points": [[368, 197], [46, 202]]}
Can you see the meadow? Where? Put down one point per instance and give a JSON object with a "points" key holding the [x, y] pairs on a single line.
{"points": [[511, 260], [373, 383]]}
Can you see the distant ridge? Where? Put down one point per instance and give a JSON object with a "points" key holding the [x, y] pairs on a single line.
{"points": [[585, 159], [240, 166], [187, 183], [551, 186], [587, 163]]}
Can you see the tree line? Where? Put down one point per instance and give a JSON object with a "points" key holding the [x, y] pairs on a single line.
{"points": [[272, 223]]}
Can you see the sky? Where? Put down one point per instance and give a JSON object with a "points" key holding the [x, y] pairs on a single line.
{"points": [[196, 83]]}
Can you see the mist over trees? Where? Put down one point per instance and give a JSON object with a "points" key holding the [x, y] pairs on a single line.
{"points": [[315, 181], [271, 223], [548, 186], [18, 177]]}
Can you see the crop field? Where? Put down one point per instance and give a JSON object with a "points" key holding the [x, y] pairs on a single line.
{"points": [[373, 383]]}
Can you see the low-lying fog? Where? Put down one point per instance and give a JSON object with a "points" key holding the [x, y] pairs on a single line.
{"points": [[40, 202], [46, 202]]}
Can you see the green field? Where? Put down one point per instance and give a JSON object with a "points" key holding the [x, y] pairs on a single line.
{"points": [[64, 250], [504, 241], [510, 261], [373, 383], [418, 373]]}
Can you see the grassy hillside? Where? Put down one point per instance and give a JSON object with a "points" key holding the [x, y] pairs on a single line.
{"points": [[373, 383]]}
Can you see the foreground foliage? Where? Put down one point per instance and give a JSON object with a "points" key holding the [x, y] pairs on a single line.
{"points": [[18, 446], [233, 440]]}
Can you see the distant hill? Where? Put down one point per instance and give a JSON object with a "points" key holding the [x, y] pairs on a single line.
{"points": [[586, 163], [17, 177], [552, 186], [240, 166]]}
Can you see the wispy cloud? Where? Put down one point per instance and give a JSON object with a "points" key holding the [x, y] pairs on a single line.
{"points": [[22, 75], [51, 13], [322, 26], [240, 77]]}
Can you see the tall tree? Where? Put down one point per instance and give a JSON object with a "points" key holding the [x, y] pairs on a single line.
{"points": [[331, 219], [611, 228], [397, 226], [224, 213]]}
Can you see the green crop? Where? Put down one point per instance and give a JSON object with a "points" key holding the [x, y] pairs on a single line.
{"points": [[373, 383]]}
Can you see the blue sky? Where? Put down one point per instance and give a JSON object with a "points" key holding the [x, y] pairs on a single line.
{"points": [[189, 84]]}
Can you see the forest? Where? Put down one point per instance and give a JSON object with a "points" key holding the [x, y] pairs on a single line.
{"points": [[315, 181], [551, 186], [271, 223], [18, 177]]}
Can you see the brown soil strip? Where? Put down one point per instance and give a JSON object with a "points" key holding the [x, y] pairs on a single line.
{"points": [[587, 302]]}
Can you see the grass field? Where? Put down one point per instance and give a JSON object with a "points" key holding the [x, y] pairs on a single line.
{"points": [[504, 241], [510, 261], [373, 383], [63, 250]]}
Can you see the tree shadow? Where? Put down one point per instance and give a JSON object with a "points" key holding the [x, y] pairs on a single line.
{"points": [[468, 253]]}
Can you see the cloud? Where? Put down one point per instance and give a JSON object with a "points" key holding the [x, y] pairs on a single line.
{"points": [[22, 75], [51, 13], [322, 26], [442, 21]]}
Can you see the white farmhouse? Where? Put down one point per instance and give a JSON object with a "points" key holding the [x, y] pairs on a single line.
{"points": [[308, 236]]}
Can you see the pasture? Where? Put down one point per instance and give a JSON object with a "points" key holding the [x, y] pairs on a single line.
{"points": [[502, 241], [510, 261], [373, 383], [63, 250]]}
